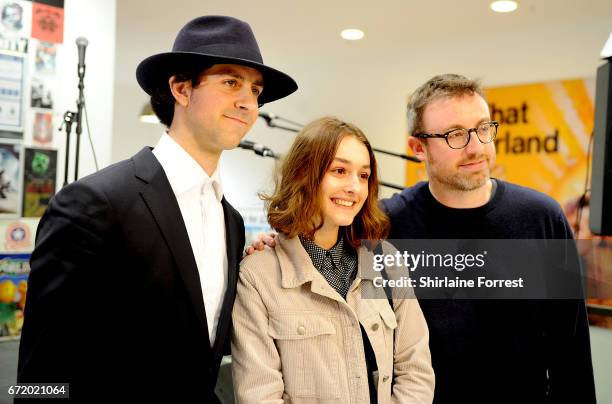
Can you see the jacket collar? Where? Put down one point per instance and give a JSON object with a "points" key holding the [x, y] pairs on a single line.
{"points": [[183, 172], [297, 268], [159, 198], [295, 263]]}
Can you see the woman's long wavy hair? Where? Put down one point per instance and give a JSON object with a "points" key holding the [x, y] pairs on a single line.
{"points": [[293, 208]]}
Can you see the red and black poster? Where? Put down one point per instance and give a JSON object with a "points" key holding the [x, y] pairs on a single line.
{"points": [[39, 180], [48, 21]]}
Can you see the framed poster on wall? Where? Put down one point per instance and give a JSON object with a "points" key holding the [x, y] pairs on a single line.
{"points": [[10, 178], [11, 92], [40, 168]]}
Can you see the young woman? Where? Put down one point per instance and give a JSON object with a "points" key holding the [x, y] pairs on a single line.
{"points": [[303, 332]]}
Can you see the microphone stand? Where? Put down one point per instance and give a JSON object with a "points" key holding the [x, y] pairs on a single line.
{"points": [[68, 118], [275, 125], [247, 145], [404, 156], [270, 122], [71, 116], [79, 115], [389, 185], [258, 149]]}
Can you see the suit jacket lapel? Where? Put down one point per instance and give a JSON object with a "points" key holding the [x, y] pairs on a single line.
{"points": [[158, 196], [232, 248]]}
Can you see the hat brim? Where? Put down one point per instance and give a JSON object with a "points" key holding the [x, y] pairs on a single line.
{"points": [[159, 68]]}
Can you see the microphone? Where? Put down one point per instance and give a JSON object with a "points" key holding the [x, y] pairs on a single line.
{"points": [[81, 43], [246, 144], [270, 117], [263, 150], [267, 116], [259, 149]]}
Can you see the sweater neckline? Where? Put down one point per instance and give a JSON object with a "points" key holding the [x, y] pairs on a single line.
{"points": [[486, 208]]}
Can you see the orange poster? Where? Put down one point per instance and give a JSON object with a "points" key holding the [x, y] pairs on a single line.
{"points": [[47, 23], [543, 136]]}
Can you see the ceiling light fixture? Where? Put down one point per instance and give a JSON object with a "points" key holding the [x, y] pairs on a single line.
{"points": [[352, 34], [504, 6]]}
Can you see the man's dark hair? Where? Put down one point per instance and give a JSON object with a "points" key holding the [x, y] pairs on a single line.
{"points": [[162, 99]]}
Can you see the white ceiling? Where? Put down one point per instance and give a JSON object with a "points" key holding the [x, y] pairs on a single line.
{"points": [[299, 34], [367, 82]]}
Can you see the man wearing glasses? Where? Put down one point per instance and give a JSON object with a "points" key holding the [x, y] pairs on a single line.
{"points": [[486, 351]]}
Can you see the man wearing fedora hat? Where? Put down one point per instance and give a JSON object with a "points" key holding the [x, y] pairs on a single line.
{"points": [[134, 272]]}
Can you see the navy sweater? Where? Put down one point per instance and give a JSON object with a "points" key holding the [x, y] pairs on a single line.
{"points": [[499, 351]]}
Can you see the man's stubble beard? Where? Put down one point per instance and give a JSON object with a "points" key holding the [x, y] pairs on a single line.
{"points": [[458, 181]]}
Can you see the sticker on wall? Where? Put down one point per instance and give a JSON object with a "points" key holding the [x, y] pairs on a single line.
{"points": [[44, 60], [14, 270], [14, 45], [17, 236], [15, 18], [11, 92], [39, 180], [42, 93], [10, 176], [47, 23], [42, 131]]}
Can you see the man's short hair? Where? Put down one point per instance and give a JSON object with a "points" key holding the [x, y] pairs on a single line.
{"points": [[162, 100], [441, 86]]}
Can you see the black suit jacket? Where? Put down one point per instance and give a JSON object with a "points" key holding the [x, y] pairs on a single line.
{"points": [[114, 302]]}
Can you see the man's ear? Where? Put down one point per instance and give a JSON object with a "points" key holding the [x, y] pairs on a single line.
{"points": [[417, 147], [181, 90]]}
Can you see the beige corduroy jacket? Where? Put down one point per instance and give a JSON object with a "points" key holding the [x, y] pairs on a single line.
{"points": [[296, 340]]}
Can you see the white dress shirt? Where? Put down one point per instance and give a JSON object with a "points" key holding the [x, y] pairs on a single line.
{"points": [[199, 198]]}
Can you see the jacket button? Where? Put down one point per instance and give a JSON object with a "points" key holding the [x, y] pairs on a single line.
{"points": [[375, 327], [385, 378], [301, 330]]}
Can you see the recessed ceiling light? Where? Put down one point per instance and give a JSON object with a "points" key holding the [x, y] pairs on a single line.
{"points": [[352, 34], [504, 6]]}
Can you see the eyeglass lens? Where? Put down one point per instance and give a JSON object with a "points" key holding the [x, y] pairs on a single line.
{"points": [[459, 138]]}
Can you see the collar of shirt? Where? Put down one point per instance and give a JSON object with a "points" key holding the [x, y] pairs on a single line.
{"points": [[318, 254], [338, 265], [183, 172]]}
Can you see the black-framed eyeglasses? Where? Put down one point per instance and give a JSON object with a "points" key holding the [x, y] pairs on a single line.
{"points": [[459, 138]]}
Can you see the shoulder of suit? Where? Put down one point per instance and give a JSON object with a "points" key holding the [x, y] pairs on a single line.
{"points": [[112, 172], [115, 179], [232, 209]]}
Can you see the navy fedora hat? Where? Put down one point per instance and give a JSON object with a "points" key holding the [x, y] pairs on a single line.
{"points": [[209, 40]]}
